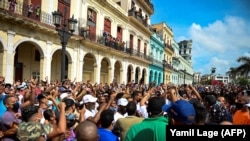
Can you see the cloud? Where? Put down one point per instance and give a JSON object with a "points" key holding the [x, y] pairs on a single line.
{"points": [[219, 44]]}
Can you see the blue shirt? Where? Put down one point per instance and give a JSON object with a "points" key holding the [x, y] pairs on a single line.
{"points": [[2, 106], [106, 135]]}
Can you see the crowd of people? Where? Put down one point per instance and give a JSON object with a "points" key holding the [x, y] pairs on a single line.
{"points": [[113, 42], [35, 110]]}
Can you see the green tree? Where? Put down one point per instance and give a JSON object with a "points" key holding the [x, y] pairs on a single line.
{"points": [[232, 73], [244, 68], [242, 81]]}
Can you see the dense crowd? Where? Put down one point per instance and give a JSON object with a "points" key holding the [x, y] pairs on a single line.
{"points": [[35, 110]]}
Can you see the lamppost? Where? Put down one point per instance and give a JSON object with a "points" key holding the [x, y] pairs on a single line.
{"points": [[164, 62], [213, 69], [64, 33]]}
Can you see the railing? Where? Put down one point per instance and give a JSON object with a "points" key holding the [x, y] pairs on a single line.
{"points": [[169, 66], [22, 9], [119, 46], [139, 17], [169, 47], [157, 62], [149, 4], [139, 54], [112, 43]]}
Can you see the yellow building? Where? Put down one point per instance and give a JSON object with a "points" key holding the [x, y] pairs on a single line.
{"points": [[111, 40], [167, 34]]}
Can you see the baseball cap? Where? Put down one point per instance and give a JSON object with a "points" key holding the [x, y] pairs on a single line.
{"points": [[64, 90], [61, 89], [122, 102], [89, 98], [181, 110], [63, 95], [22, 86]]}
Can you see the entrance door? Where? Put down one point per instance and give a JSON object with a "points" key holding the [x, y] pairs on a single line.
{"points": [[19, 72]]}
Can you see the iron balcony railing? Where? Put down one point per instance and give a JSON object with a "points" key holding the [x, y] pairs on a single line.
{"points": [[138, 17], [150, 4], [157, 62], [169, 47], [22, 9]]}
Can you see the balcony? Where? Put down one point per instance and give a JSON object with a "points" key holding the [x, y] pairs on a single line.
{"points": [[20, 11], [147, 5], [168, 66], [167, 46], [157, 62], [138, 17], [176, 60], [138, 54], [119, 46]]}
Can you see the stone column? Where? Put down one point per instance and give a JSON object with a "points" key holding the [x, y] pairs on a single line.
{"points": [[45, 62], [8, 58]]}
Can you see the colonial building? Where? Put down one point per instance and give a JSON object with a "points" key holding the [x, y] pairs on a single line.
{"points": [[110, 42], [156, 71], [186, 73], [186, 50], [176, 64], [167, 34]]}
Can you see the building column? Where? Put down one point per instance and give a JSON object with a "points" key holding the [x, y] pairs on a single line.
{"points": [[97, 73], [8, 58], [45, 62], [79, 71], [125, 38], [120, 76], [123, 73], [45, 69], [111, 72], [139, 77], [114, 30], [73, 65], [146, 78], [79, 67], [133, 75], [100, 25]]}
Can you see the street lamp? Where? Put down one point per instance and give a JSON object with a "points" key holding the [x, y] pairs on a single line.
{"points": [[64, 33], [213, 69], [85, 32], [164, 62]]}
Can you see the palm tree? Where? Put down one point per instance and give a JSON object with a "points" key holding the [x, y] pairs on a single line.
{"points": [[244, 68], [232, 73]]}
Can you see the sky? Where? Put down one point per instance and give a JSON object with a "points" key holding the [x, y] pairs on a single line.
{"points": [[219, 29]]}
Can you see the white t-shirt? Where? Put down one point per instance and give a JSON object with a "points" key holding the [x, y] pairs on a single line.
{"points": [[144, 112], [118, 115], [89, 113], [138, 107]]}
